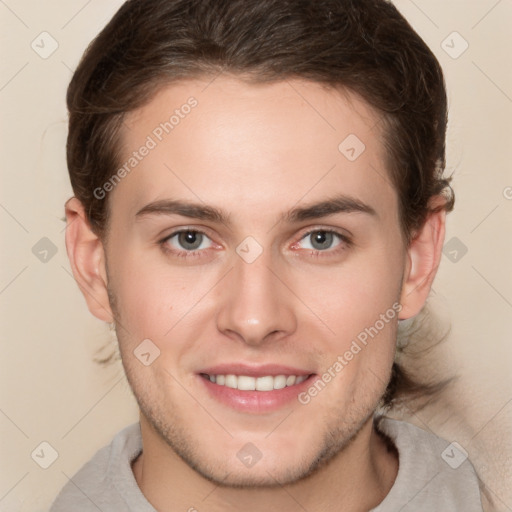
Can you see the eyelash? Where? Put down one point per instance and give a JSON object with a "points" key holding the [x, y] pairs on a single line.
{"points": [[346, 243]]}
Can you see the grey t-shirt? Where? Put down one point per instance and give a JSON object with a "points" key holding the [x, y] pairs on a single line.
{"points": [[433, 476]]}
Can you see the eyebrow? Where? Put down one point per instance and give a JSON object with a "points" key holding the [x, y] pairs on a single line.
{"points": [[332, 206]]}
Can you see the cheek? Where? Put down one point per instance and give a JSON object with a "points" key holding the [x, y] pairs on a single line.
{"points": [[357, 306], [351, 297], [152, 297], [362, 362]]}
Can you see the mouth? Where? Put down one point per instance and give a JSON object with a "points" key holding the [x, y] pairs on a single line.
{"points": [[255, 390], [249, 383]]}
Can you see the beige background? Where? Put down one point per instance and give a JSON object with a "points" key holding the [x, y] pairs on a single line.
{"points": [[52, 390]]}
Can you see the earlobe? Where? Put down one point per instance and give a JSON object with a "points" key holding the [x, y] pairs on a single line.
{"points": [[423, 258], [87, 259]]}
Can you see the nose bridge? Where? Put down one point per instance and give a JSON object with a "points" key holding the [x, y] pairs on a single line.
{"points": [[255, 302]]}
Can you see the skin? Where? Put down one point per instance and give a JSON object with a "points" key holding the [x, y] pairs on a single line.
{"points": [[256, 152]]}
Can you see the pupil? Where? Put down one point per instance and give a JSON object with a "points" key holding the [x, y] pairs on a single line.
{"points": [[193, 240], [323, 238]]}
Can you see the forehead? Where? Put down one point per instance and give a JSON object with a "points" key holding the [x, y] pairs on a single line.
{"points": [[253, 145]]}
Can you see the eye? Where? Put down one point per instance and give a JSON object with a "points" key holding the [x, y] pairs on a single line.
{"points": [[321, 240], [187, 243], [188, 240]]}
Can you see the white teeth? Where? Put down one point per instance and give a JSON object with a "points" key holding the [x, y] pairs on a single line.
{"points": [[265, 383], [280, 382], [247, 383], [231, 381]]}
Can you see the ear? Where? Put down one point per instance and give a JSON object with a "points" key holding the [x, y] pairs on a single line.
{"points": [[422, 260], [87, 258]]}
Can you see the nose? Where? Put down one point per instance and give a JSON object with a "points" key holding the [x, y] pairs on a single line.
{"points": [[255, 303]]}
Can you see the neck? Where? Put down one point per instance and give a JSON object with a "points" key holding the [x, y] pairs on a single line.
{"points": [[168, 483]]}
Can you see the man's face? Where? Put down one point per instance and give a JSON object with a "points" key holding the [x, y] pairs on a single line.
{"points": [[257, 288]]}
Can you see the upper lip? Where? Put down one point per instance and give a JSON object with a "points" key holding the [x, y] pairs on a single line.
{"points": [[254, 370]]}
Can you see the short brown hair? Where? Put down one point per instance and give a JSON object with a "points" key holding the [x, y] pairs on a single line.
{"points": [[363, 46]]}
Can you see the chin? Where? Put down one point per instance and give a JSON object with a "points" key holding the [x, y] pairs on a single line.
{"points": [[263, 477]]}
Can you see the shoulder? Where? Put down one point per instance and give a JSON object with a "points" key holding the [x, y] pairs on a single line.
{"points": [[106, 481], [433, 474]]}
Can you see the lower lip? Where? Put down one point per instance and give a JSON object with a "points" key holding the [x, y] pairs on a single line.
{"points": [[255, 401]]}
